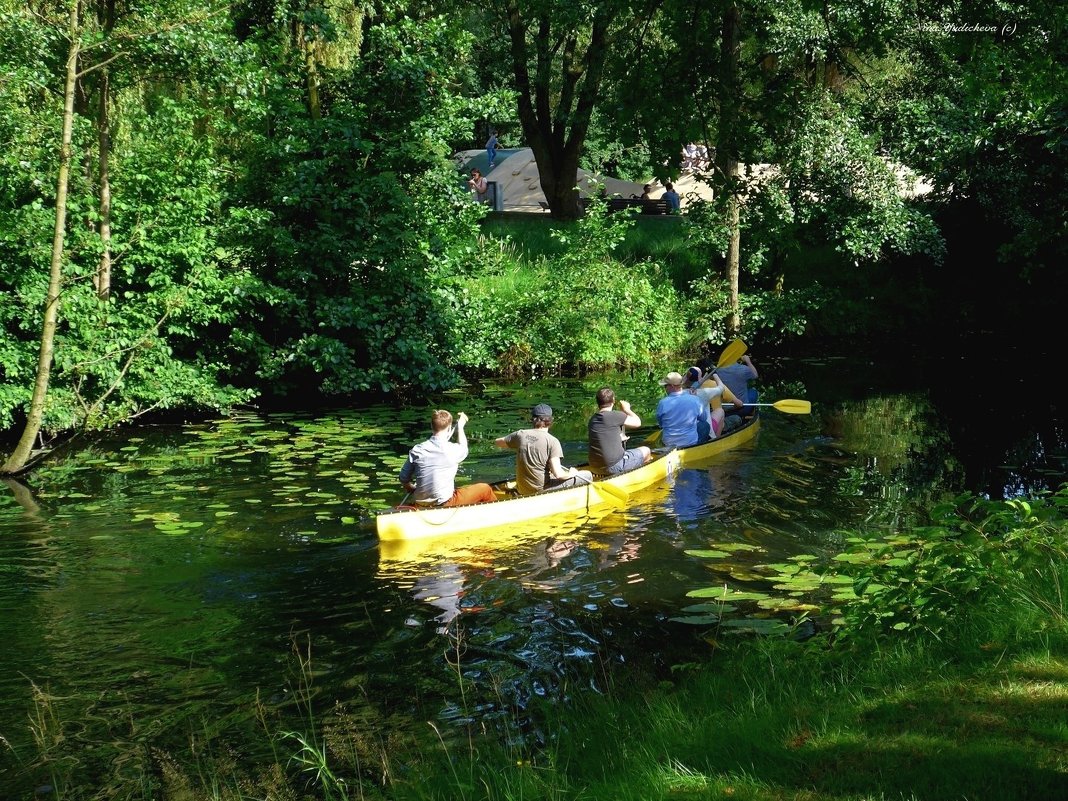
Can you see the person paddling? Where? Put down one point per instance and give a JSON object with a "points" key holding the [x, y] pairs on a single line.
{"points": [[737, 377], [538, 456], [606, 432], [429, 474], [708, 388], [681, 416]]}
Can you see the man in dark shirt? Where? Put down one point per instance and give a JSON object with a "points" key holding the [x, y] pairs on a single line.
{"points": [[672, 197], [606, 433]]}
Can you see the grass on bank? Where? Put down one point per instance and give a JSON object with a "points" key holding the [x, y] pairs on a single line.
{"points": [[661, 240], [776, 720]]}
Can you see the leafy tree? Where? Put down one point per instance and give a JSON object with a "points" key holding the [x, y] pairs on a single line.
{"points": [[18, 458], [559, 53], [974, 100], [111, 345], [351, 212], [777, 90]]}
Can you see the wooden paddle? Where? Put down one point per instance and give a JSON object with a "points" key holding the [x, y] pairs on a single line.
{"points": [[732, 353]]}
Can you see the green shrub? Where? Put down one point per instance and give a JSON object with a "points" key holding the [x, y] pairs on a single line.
{"points": [[576, 306], [976, 555]]}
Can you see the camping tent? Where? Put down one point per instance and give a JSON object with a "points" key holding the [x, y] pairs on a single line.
{"points": [[516, 175]]}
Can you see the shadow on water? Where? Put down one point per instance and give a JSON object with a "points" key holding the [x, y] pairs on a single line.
{"points": [[157, 578]]}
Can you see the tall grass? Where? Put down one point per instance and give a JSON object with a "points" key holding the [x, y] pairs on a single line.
{"points": [[664, 241]]}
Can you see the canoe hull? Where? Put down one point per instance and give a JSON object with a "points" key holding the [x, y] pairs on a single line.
{"points": [[599, 496]]}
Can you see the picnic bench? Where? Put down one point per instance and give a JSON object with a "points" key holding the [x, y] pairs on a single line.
{"points": [[621, 203], [646, 206]]}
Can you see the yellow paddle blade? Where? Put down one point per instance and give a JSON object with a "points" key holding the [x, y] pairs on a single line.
{"points": [[732, 353], [612, 491], [653, 439], [789, 405]]}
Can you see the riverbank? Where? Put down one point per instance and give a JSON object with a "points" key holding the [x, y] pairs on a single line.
{"points": [[939, 672], [966, 701], [774, 720]]}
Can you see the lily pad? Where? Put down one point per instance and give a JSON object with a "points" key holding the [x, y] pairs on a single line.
{"points": [[697, 620], [720, 609], [757, 625], [717, 594], [707, 554]]}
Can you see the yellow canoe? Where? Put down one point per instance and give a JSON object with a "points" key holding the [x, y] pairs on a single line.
{"points": [[586, 501]]}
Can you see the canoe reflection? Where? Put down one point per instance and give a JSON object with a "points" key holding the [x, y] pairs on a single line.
{"points": [[561, 557]]}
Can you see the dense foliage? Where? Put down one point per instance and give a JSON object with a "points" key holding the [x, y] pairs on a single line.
{"points": [[582, 308], [354, 222], [260, 199]]}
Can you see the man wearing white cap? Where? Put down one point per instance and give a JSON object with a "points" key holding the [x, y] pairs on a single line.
{"points": [[679, 414]]}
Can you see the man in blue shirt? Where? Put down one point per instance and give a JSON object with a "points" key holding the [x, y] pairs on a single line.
{"points": [[679, 414], [737, 377], [672, 197]]}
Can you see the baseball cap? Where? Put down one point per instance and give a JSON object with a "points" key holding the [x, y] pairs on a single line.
{"points": [[674, 379]]}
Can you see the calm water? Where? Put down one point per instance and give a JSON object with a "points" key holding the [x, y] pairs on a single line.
{"points": [[153, 582]]}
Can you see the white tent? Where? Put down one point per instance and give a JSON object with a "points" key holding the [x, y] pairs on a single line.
{"points": [[517, 178]]}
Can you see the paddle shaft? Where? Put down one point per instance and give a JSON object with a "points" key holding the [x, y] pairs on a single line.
{"points": [[788, 405]]}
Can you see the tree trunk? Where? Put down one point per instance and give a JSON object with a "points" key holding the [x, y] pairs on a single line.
{"points": [[314, 108], [734, 253], [311, 74], [102, 279], [558, 174], [17, 461], [556, 119], [727, 156]]}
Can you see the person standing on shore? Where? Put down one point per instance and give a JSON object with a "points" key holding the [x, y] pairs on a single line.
{"points": [[479, 185]]}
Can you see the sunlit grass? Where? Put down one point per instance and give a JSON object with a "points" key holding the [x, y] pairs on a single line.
{"points": [[663, 241]]}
